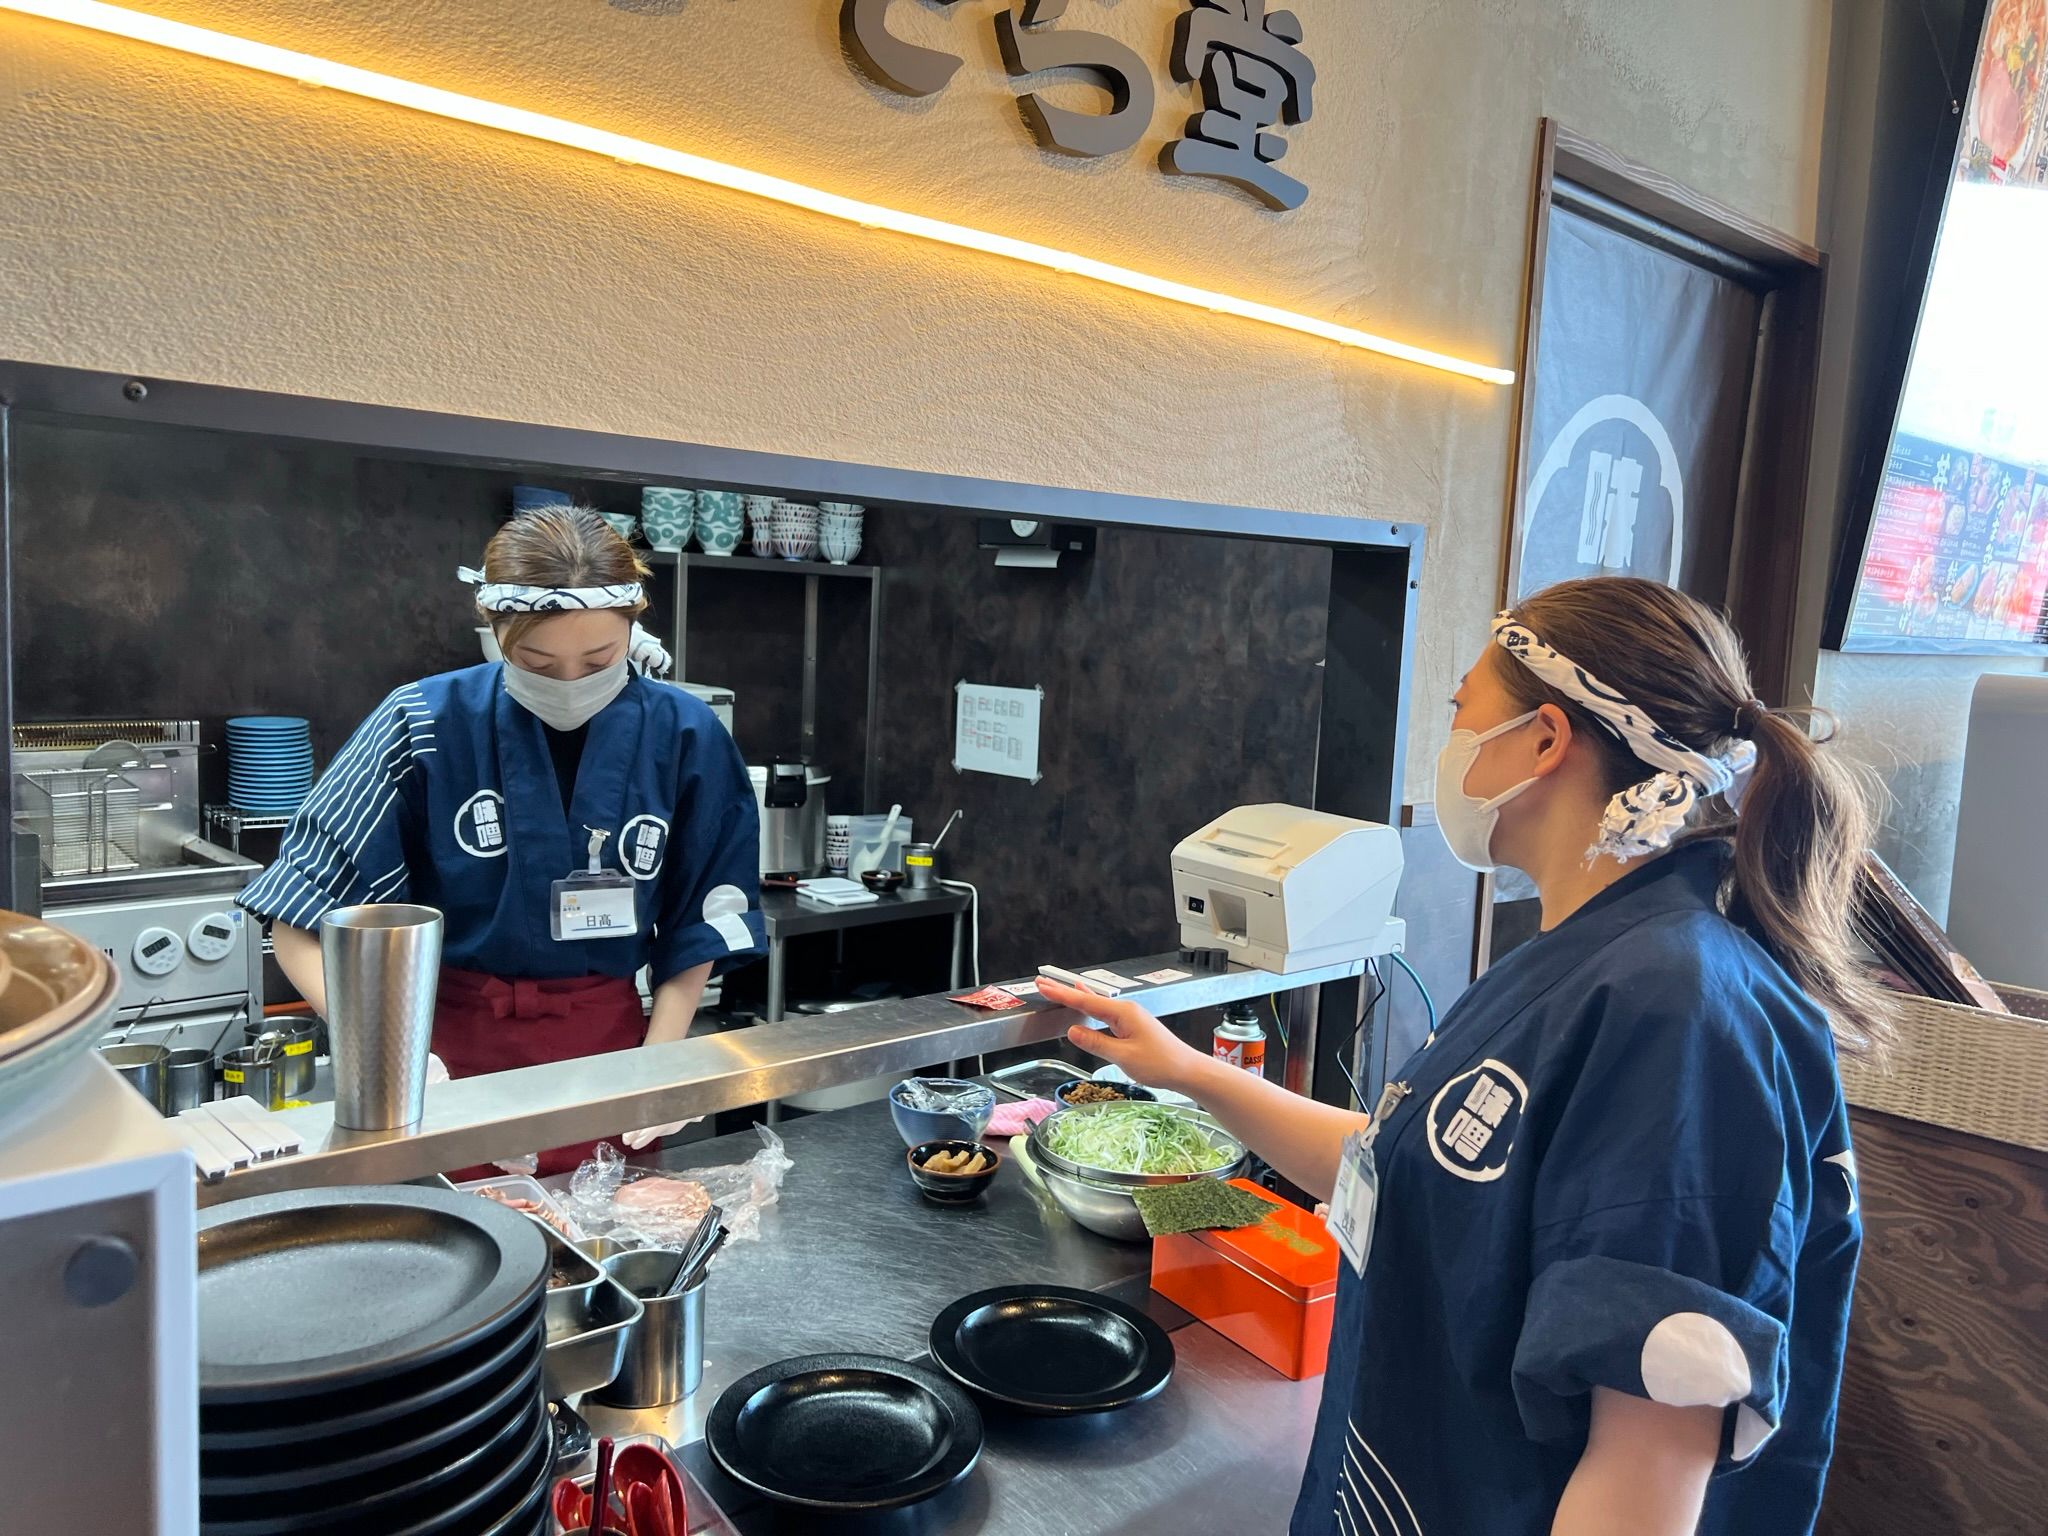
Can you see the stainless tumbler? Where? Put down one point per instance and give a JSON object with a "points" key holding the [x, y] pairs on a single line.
{"points": [[664, 1360], [382, 966]]}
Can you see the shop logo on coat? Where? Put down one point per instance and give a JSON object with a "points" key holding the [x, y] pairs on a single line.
{"points": [[480, 825], [1473, 1120]]}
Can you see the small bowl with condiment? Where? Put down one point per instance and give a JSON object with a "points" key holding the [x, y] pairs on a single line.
{"points": [[953, 1172], [882, 881], [1088, 1090]]}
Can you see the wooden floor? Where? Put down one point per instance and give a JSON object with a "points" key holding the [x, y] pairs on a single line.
{"points": [[1944, 1415]]}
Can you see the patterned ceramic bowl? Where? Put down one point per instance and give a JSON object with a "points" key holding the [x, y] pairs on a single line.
{"points": [[795, 528], [668, 516]]}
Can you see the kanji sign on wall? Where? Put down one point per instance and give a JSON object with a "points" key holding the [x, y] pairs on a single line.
{"points": [[1244, 62]]}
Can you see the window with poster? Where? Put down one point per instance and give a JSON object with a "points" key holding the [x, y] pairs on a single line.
{"points": [[1953, 556]]}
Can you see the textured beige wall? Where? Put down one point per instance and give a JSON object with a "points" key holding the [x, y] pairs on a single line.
{"points": [[177, 217]]}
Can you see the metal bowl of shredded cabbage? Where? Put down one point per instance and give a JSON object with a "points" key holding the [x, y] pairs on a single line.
{"points": [[1131, 1145]]}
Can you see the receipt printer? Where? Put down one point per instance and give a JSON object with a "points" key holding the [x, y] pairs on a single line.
{"points": [[1284, 889]]}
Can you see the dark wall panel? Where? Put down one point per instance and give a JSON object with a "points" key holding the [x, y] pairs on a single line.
{"points": [[1182, 676], [195, 574]]}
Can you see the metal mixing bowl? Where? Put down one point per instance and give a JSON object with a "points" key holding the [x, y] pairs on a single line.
{"points": [[1104, 1202]]}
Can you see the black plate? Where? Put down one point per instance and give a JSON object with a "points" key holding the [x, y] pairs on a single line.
{"points": [[1048, 1349], [487, 1461], [283, 1279], [845, 1432], [348, 1471], [380, 1414]]}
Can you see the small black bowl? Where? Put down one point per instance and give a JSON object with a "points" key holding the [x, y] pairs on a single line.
{"points": [[952, 1188], [882, 880], [1126, 1093]]}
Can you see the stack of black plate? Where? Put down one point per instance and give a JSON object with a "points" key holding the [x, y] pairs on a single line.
{"points": [[370, 1362]]}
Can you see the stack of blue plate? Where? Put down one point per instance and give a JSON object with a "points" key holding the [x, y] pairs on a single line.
{"points": [[270, 764]]}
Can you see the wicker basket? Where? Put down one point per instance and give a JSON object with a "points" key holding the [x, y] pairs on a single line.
{"points": [[1964, 1068]]}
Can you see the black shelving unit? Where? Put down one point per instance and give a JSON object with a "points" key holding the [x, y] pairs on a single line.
{"points": [[812, 572]]}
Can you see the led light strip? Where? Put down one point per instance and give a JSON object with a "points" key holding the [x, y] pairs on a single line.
{"points": [[304, 67]]}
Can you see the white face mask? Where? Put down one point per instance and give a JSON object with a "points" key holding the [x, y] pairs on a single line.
{"points": [[565, 704], [1466, 820]]}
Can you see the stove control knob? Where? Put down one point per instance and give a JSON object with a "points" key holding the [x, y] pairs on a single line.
{"points": [[158, 952], [213, 936]]}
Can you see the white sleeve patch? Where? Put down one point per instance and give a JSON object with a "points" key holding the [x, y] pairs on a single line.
{"points": [[734, 930], [724, 901], [1752, 1429], [1691, 1361]]}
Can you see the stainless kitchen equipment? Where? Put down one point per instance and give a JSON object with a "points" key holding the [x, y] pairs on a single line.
{"points": [[114, 808], [382, 965], [142, 1067], [791, 798], [719, 699], [664, 1357], [1285, 889], [253, 1072], [291, 1039], [189, 1077]]}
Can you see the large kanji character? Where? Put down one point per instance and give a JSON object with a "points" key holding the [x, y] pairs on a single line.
{"points": [[1253, 76]]}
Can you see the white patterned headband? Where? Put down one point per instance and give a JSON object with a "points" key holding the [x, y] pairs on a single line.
{"points": [[1644, 817], [501, 597], [511, 597]]}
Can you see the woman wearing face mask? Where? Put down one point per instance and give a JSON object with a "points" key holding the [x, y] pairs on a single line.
{"points": [[1602, 1230], [483, 792]]}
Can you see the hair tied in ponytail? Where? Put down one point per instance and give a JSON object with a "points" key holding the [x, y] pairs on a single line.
{"points": [[1747, 713]]}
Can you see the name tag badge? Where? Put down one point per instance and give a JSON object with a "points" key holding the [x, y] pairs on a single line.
{"points": [[1354, 1205], [601, 906]]}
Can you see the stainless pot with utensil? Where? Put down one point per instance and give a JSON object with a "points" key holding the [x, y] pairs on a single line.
{"points": [[143, 1066]]}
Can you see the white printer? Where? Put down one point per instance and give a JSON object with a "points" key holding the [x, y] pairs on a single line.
{"points": [[1285, 889]]}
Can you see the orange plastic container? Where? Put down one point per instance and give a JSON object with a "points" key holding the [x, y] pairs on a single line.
{"points": [[1270, 1288]]}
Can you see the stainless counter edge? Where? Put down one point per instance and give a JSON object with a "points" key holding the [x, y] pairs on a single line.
{"points": [[508, 1114]]}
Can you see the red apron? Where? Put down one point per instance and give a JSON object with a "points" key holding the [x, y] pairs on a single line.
{"points": [[486, 1024]]}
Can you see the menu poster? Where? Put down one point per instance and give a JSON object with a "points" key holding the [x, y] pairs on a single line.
{"points": [[1957, 556], [1958, 553]]}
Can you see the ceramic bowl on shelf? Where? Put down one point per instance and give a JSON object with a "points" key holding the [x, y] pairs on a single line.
{"points": [[760, 517], [795, 528], [668, 516], [720, 522], [624, 524], [839, 530]]}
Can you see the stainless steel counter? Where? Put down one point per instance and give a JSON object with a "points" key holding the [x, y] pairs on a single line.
{"points": [[853, 1259], [507, 1114]]}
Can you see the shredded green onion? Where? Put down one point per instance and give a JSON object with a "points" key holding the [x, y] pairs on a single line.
{"points": [[1136, 1138]]}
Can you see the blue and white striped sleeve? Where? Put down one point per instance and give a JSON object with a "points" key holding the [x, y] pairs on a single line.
{"points": [[346, 845]]}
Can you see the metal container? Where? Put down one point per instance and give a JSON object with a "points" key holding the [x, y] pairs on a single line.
{"points": [[791, 798], [253, 1072], [143, 1066], [189, 1077], [586, 1337], [1105, 1202], [383, 965], [294, 1040], [921, 864], [664, 1358]]}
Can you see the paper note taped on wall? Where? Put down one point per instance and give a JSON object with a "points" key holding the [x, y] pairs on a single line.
{"points": [[995, 730]]}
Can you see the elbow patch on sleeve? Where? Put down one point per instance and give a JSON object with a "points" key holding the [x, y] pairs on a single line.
{"points": [[1652, 1333]]}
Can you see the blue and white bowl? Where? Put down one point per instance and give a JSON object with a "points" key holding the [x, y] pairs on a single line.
{"points": [[668, 516]]}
